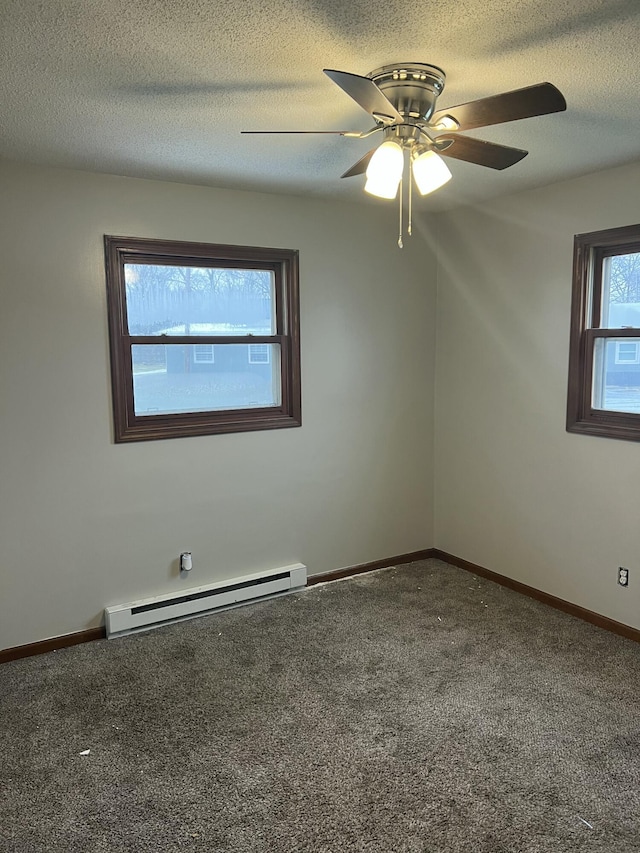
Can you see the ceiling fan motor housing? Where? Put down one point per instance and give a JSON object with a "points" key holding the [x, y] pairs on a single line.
{"points": [[412, 87]]}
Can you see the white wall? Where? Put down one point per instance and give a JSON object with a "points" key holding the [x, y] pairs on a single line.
{"points": [[515, 492], [84, 522]]}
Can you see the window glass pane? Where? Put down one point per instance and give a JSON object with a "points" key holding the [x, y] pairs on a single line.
{"points": [[616, 375], [173, 378], [175, 300], [621, 291]]}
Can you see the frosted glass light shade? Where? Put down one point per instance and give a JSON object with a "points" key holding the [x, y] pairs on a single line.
{"points": [[384, 171], [430, 172]]}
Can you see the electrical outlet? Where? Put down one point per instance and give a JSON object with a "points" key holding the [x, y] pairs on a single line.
{"points": [[623, 576]]}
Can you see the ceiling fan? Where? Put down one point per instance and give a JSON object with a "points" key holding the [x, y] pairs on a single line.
{"points": [[401, 99]]}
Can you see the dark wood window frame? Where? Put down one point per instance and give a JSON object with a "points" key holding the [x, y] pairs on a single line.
{"points": [[590, 251], [283, 263]]}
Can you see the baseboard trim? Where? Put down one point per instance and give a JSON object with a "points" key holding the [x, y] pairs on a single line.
{"points": [[412, 557], [530, 591], [50, 645]]}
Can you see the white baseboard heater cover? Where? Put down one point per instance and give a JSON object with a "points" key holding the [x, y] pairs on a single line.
{"points": [[147, 613]]}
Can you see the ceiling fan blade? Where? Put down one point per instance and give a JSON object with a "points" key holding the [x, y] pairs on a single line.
{"points": [[360, 167], [536, 100], [366, 94], [354, 133], [480, 152]]}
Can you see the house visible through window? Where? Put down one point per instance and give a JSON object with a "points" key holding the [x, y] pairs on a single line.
{"points": [[181, 316], [604, 366]]}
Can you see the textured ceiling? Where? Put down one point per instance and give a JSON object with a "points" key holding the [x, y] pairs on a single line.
{"points": [[162, 88]]}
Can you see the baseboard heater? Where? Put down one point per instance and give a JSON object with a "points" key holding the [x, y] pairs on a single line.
{"points": [[162, 609]]}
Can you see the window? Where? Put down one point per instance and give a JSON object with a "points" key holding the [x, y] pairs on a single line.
{"points": [[203, 353], [258, 354], [627, 352], [180, 316], [604, 362]]}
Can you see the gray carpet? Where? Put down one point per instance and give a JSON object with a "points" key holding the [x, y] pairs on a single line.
{"points": [[411, 709]]}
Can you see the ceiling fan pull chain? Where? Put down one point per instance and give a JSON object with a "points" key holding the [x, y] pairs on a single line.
{"points": [[400, 243], [410, 204]]}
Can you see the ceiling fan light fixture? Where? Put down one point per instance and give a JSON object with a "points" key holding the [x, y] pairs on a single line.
{"points": [[430, 172], [384, 171]]}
